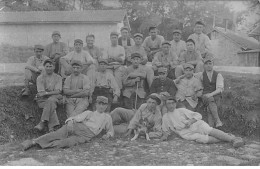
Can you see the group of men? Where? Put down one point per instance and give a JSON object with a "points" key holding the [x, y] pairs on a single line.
{"points": [[181, 73]]}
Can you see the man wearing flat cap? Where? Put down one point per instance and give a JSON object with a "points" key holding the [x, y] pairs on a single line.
{"points": [[177, 45], [165, 58], [125, 40], [134, 80], [88, 67], [137, 48], [126, 120], [190, 56], [189, 88], [213, 86], [77, 129], [163, 83], [104, 85], [76, 88], [115, 55], [34, 67], [190, 126], [49, 87], [56, 49], [202, 41], [153, 43]]}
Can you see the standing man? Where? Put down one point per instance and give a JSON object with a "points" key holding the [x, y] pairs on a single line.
{"points": [[115, 55], [77, 90], [88, 67], [93, 50], [49, 86], [137, 48], [190, 56], [149, 110], [166, 59], [56, 50], [153, 43], [33, 68], [189, 126], [105, 85], [202, 41], [213, 86], [125, 39], [177, 45], [78, 129], [189, 88], [133, 81]]}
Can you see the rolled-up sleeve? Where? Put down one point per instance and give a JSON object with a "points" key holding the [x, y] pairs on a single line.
{"points": [[190, 114], [109, 127], [220, 82]]}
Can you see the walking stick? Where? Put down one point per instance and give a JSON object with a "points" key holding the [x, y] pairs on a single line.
{"points": [[136, 95]]}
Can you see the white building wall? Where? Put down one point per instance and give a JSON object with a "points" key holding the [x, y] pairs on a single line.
{"points": [[31, 34]]}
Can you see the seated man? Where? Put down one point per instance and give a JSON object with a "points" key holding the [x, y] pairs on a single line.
{"points": [[92, 49], [134, 81], [115, 55], [166, 59], [49, 86], [163, 83], [137, 48], [78, 129], [190, 56], [163, 86], [148, 110], [77, 90], [33, 68], [153, 43], [213, 86], [88, 67], [105, 85], [189, 88], [189, 126], [55, 50]]}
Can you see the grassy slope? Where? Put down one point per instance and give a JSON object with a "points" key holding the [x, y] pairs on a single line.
{"points": [[241, 105]]}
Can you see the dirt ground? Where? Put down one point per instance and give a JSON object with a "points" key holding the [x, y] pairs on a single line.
{"points": [[18, 116]]}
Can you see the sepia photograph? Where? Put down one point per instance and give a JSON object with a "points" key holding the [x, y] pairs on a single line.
{"points": [[130, 83]]}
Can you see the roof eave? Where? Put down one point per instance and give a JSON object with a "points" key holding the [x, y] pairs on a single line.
{"points": [[56, 22]]}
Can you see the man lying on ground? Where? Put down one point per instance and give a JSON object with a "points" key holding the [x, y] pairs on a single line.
{"points": [[78, 129], [188, 125]]}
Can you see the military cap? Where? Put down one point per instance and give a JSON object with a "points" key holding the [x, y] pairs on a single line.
{"points": [[101, 60], [75, 62], [152, 27], [102, 99], [162, 70], [199, 23], [133, 55], [55, 33], [78, 41], [40, 47], [172, 98], [166, 42], [138, 34], [114, 33], [176, 31], [208, 57], [187, 65], [155, 97], [124, 28], [50, 61]]}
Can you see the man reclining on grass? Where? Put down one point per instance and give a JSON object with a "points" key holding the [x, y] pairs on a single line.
{"points": [[188, 125], [78, 129]]}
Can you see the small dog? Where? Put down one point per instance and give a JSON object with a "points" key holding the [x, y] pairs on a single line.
{"points": [[142, 128]]}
